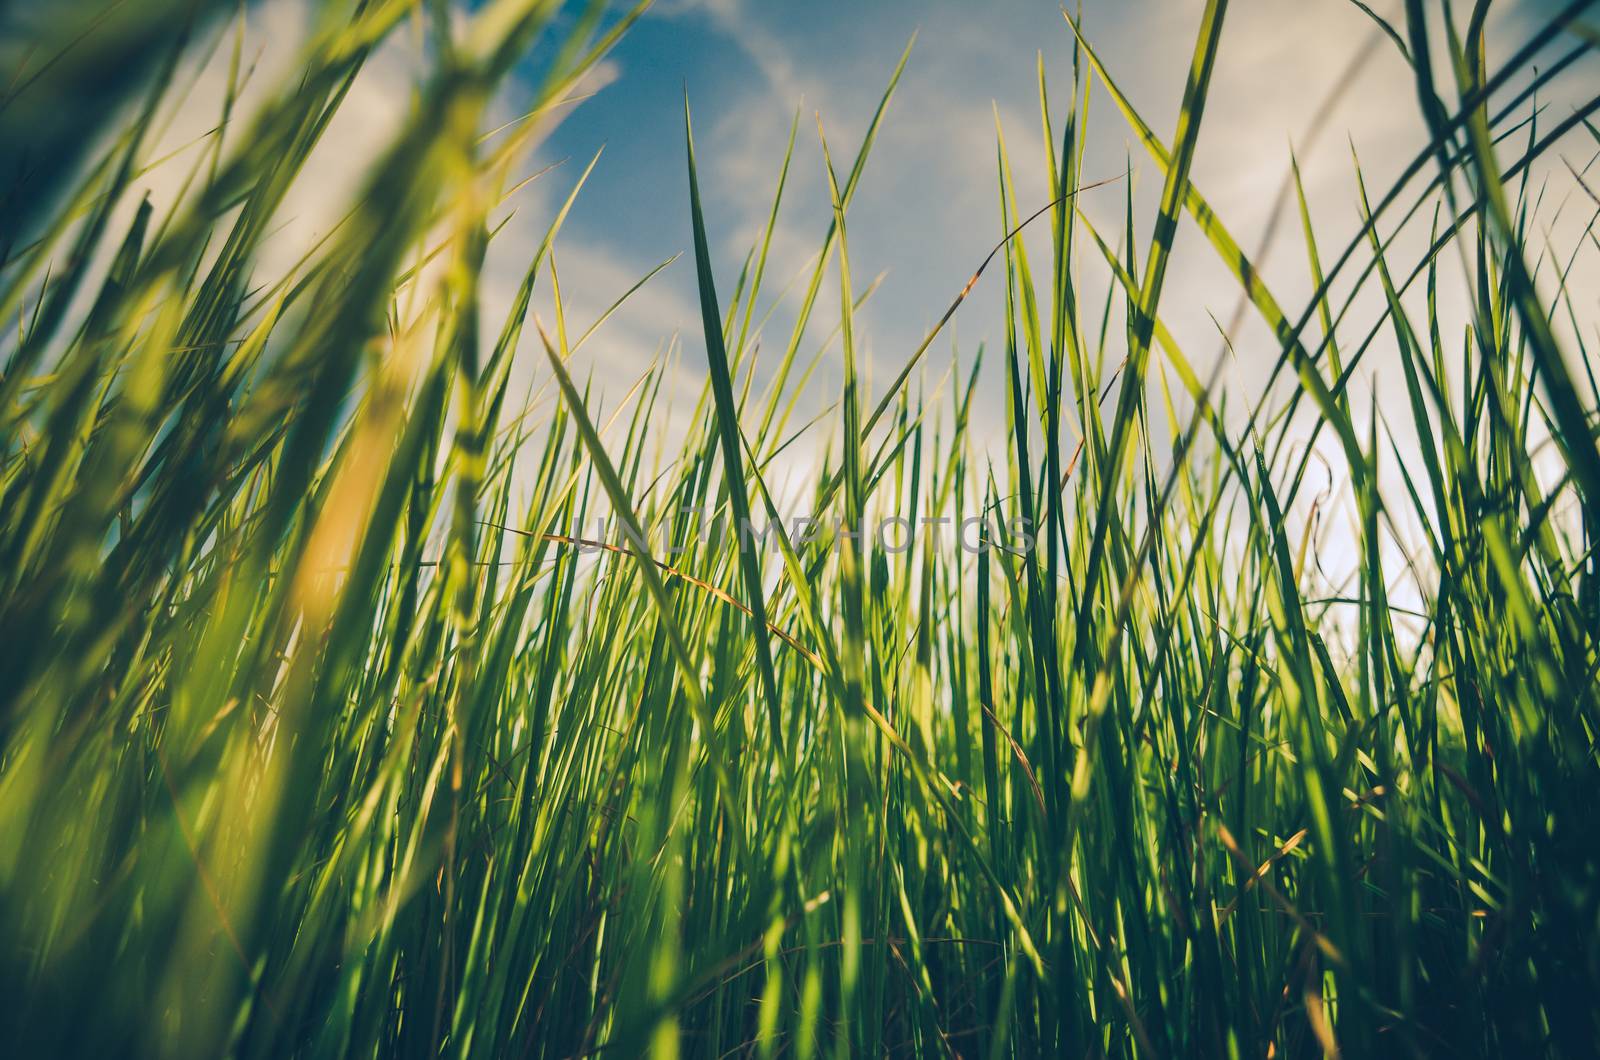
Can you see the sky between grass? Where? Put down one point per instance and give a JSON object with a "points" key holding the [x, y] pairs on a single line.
{"points": [[1317, 76]]}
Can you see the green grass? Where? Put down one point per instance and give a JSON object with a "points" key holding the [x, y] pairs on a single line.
{"points": [[319, 735]]}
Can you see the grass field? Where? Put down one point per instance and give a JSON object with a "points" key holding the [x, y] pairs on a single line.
{"points": [[320, 735]]}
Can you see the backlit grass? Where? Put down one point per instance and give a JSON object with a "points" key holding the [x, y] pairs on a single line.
{"points": [[321, 735]]}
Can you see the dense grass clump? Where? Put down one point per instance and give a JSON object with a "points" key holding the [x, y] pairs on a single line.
{"points": [[321, 734]]}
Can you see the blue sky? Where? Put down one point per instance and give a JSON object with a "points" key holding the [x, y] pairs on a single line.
{"points": [[927, 210], [927, 213]]}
